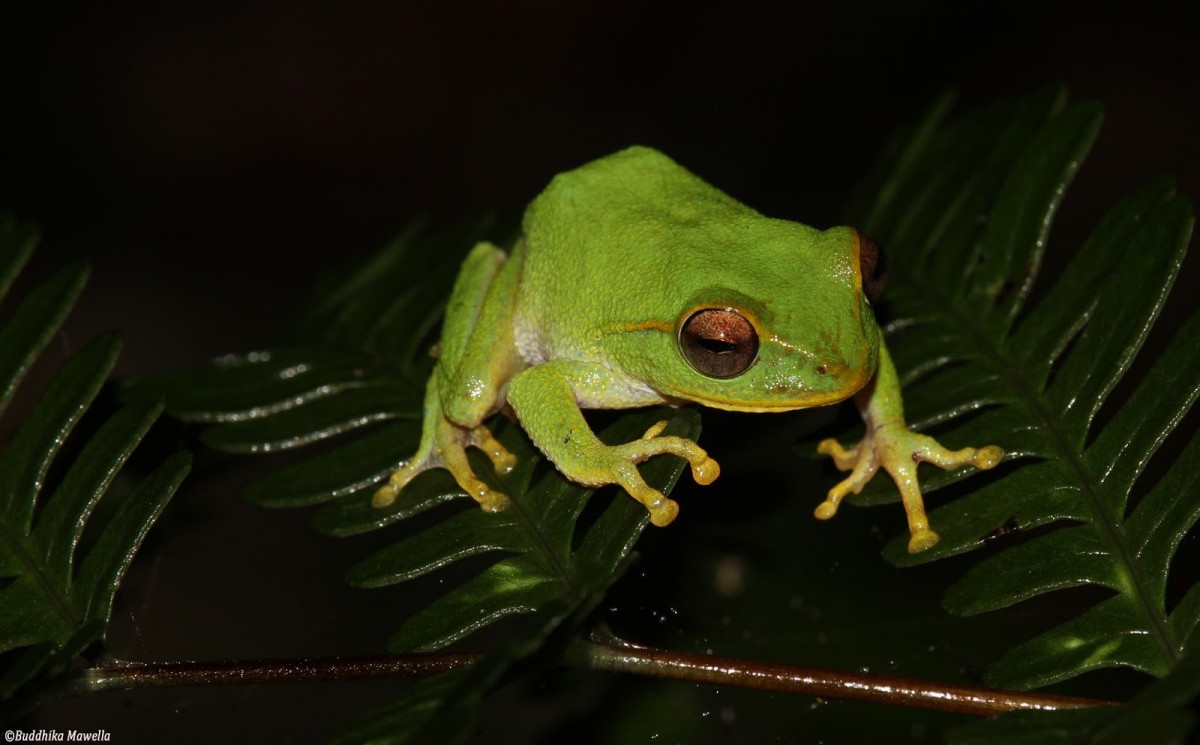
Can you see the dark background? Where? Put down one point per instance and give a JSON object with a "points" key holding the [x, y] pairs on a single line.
{"points": [[213, 159]]}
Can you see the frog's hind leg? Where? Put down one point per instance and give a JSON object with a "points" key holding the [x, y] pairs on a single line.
{"points": [[454, 441], [426, 456], [443, 445], [478, 354]]}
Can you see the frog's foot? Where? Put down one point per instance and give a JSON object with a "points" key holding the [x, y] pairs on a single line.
{"points": [[617, 464], [446, 448], [898, 450]]}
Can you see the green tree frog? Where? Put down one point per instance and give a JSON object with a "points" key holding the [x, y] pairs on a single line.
{"points": [[636, 283]]}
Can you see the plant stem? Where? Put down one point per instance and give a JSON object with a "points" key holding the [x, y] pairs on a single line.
{"points": [[119, 675], [830, 684], [614, 656]]}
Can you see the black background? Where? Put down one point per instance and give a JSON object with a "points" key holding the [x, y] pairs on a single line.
{"points": [[212, 159]]}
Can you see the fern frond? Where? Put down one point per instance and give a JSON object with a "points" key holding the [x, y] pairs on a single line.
{"points": [[56, 594], [983, 368]]}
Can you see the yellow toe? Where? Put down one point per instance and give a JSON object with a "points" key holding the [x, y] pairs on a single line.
{"points": [[922, 540], [664, 514], [825, 510], [384, 497]]}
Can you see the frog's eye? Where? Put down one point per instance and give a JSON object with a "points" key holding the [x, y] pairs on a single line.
{"points": [[719, 342], [872, 267]]}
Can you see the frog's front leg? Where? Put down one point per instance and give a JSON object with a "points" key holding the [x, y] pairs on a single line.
{"points": [[891, 444], [546, 400]]}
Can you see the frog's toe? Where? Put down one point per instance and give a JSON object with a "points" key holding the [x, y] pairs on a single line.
{"points": [[706, 471], [988, 457], [664, 512], [825, 510], [384, 496], [662, 509], [921, 540], [455, 461], [655, 430], [493, 501], [502, 460], [843, 458], [387, 494]]}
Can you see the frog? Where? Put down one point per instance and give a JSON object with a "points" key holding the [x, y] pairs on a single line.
{"points": [[636, 283]]}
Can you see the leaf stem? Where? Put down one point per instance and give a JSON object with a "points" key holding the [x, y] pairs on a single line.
{"points": [[830, 684], [614, 656], [123, 675]]}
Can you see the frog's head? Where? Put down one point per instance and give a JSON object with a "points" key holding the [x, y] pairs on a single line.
{"points": [[788, 326], [691, 293]]}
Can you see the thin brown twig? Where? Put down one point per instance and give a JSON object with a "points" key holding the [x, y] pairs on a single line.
{"points": [[118, 675], [830, 684], [609, 655]]}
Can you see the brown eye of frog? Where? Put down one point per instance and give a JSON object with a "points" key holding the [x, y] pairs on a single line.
{"points": [[719, 342]]}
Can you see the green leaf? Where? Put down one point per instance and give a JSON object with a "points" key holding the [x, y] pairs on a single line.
{"points": [[984, 365], [55, 593]]}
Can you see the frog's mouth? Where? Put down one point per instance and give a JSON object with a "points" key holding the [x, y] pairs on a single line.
{"points": [[804, 401], [787, 392]]}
